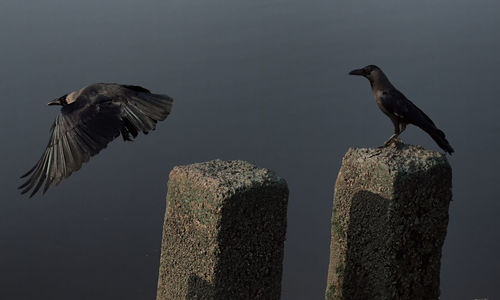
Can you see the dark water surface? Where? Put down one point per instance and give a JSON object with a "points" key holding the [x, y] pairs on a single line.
{"points": [[263, 81]]}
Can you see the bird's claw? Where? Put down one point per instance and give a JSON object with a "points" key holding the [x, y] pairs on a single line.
{"points": [[387, 143], [375, 153]]}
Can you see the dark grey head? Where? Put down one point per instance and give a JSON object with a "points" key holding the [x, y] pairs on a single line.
{"points": [[368, 71], [59, 101]]}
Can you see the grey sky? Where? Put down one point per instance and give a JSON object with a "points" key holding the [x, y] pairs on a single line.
{"points": [[262, 81]]}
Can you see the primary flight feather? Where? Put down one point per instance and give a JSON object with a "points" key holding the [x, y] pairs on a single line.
{"points": [[89, 119]]}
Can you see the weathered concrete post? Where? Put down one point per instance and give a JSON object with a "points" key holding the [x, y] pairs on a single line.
{"points": [[224, 232], [389, 223]]}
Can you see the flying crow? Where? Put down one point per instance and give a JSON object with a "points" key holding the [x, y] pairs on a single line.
{"points": [[89, 119], [398, 108]]}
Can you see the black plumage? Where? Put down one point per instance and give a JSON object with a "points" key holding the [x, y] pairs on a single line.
{"points": [[89, 119], [398, 108]]}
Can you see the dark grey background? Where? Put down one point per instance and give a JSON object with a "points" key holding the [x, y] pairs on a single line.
{"points": [[263, 81]]}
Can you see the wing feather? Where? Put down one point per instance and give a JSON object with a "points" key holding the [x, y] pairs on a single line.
{"points": [[84, 127], [406, 111], [76, 135], [403, 108], [142, 109]]}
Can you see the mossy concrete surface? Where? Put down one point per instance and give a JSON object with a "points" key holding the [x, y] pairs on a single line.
{"points": [[224, 232], [389, 224]]}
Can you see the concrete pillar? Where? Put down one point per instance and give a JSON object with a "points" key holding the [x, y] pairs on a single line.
{"points": [[224, 232], [389, 223]]}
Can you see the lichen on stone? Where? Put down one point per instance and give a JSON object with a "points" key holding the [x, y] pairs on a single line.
{"points": [[224, 232], [389, 222]]}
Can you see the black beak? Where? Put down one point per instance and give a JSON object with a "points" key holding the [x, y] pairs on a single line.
{"points": [[357, 72], [55, 102]]}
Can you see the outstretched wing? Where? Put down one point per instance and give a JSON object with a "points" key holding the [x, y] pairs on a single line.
{"points": [[141, 110], [86, 126], [80, 131]]}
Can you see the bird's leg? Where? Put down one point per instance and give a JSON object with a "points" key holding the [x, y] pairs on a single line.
{"points": [[397, 132], [403, 127]]}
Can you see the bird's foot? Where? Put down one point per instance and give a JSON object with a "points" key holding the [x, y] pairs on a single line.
{"points": [[394, 142], [390, 140], [387, 143], [377, 152]]}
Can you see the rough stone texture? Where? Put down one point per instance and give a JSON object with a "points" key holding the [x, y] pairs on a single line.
{"points": [[389, 223], [224, 232]]}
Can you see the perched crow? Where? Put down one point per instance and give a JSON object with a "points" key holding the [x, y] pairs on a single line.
{"points": [[398, 108], [91, 118]]}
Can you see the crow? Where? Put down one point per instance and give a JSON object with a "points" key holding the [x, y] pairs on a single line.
{"points": [[89, 119], [398, 108]]}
